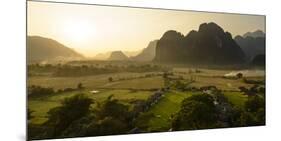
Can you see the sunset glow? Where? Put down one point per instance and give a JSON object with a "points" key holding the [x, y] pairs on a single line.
{"points": [[79, 32], [88, 28]]}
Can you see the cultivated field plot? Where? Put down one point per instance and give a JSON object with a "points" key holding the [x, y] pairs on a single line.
{"points": [[40, 106], [140, 89], [165, 108], [95, 81], [134, 89], [139, 83], [207, 77], [236, 98], [93, 77]]}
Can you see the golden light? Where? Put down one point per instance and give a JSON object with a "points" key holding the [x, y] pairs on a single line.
{"points": [[79, 32]]}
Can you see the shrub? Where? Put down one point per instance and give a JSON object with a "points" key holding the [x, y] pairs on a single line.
{"points": [[197, 112], [37, 91], [71, 109]]}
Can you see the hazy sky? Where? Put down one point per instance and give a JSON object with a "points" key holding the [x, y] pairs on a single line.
{"points": [[91, 29]]}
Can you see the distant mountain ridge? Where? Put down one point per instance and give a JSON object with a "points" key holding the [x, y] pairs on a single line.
{"points": [[102, 56], [117, 56], [147, 53], [209, 45], [252, 43], [257, 33], [251, 46], [46, 49], [132, 53], [106, 55]]}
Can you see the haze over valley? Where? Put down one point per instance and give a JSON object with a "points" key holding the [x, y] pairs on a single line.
{"points": [[210, 42], [99, 70]]}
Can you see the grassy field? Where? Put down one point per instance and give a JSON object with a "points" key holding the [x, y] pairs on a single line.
{"points": [[170, 104], [236, 98], [128, 87], [219, 72], [207, 77], [163, 110], [141, 83], [203, 72], [39, 109], [221, 83], [41, 106], [117, 88], [96, 81]]}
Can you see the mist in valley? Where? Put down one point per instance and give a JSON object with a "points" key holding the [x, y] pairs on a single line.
{"points": [[150, 71]]}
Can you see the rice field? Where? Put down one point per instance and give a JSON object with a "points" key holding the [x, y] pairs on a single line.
{"points": [[128, 87], [168, 105], [41, 106], [120, 80]]}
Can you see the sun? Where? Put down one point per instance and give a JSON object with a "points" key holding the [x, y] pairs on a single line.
{"points": [[79, 32]]}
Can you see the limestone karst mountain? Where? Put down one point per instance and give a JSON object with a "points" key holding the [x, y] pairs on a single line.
{"points": [[252, 44], [257, 33], [117, 56], [258, 60], [147, 53], [209, 45]]}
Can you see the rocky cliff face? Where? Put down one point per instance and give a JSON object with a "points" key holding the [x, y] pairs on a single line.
{"points": [[147, 53], [258, 60], [209, 45], [251, 45]]}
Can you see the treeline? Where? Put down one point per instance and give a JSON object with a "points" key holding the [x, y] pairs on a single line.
{"points": [[256, 82], [80, 116], [213, 110], [111, 79], [67, 70], [34, 91], [144, 105], [38, 91], [178, 82], [76, 117]]}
